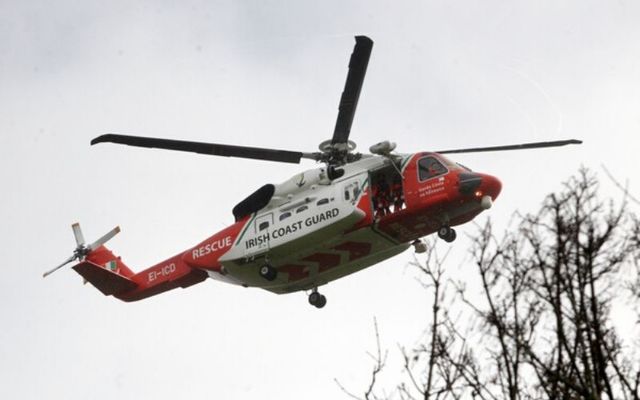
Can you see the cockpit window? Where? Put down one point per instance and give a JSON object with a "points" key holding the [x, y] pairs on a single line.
{"points": [[430, 167]]}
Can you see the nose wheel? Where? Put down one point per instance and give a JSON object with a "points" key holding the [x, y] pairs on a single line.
{"points": [[447, 233], [316, 299]]}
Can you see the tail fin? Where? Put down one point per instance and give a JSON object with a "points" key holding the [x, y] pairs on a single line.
{"points": [[103, 279], [111, 276], [106, 272], [99, 266]]}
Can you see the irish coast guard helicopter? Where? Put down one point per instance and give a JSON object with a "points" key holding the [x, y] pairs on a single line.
{"points": [[351, 212]]}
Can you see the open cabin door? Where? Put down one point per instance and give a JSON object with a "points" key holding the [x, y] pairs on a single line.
{"points": [[387, 191]]}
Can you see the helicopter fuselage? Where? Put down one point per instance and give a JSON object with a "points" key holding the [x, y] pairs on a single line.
{"points": [[318, 226], [313, 230]]}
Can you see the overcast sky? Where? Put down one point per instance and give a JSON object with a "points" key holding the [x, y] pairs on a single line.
{"points": [[266, 73]]}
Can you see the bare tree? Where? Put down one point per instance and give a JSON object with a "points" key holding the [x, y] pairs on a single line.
{"points": [[379, 362], [431, 367], [549, 287], [544, 327]]}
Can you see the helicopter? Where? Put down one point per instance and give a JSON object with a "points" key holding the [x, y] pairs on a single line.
{"points": [[351, 212]]}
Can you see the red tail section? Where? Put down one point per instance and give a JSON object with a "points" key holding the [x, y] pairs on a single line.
{"points": [[111, 276], [105, 280]]}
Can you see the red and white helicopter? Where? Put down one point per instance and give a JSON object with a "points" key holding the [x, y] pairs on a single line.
{"points": [[318, 226]]}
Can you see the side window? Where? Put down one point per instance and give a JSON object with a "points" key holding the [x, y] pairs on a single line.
{"points": [[322, 202], [351, 191], [430, 167], [263, 222], [301, 209]]}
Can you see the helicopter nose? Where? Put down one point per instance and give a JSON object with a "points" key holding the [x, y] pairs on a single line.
{"points": [[488, 191], [484, 187], [491, 186]]}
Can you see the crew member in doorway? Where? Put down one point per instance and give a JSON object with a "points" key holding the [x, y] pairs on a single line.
{"points": [[398, 196], [382, 196]]}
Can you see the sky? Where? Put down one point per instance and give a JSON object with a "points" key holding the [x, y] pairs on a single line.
{"points": [[267, 73]]}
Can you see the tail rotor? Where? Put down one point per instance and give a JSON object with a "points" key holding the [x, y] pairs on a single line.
{"points": [[82, 250]]}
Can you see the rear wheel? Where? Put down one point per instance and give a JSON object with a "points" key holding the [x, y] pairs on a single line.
{"points": [[317, 300], [268, 272], [322, 302]]}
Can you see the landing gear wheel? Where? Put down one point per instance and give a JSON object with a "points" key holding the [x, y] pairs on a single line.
{"points": [[443, 232], [451, 237], [268, 272], [447, 234], [317, 300]]}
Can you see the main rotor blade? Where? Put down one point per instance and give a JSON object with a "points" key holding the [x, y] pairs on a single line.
{"points": [[353, 85], [225, 150], [522, 146]]}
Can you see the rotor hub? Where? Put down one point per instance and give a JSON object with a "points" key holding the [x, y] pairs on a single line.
{"points": [[329, 147], [337, 154]]}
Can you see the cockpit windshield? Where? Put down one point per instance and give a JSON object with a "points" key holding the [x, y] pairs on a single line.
{"points": [[449, 163], [452, 165], [429, 167]]}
